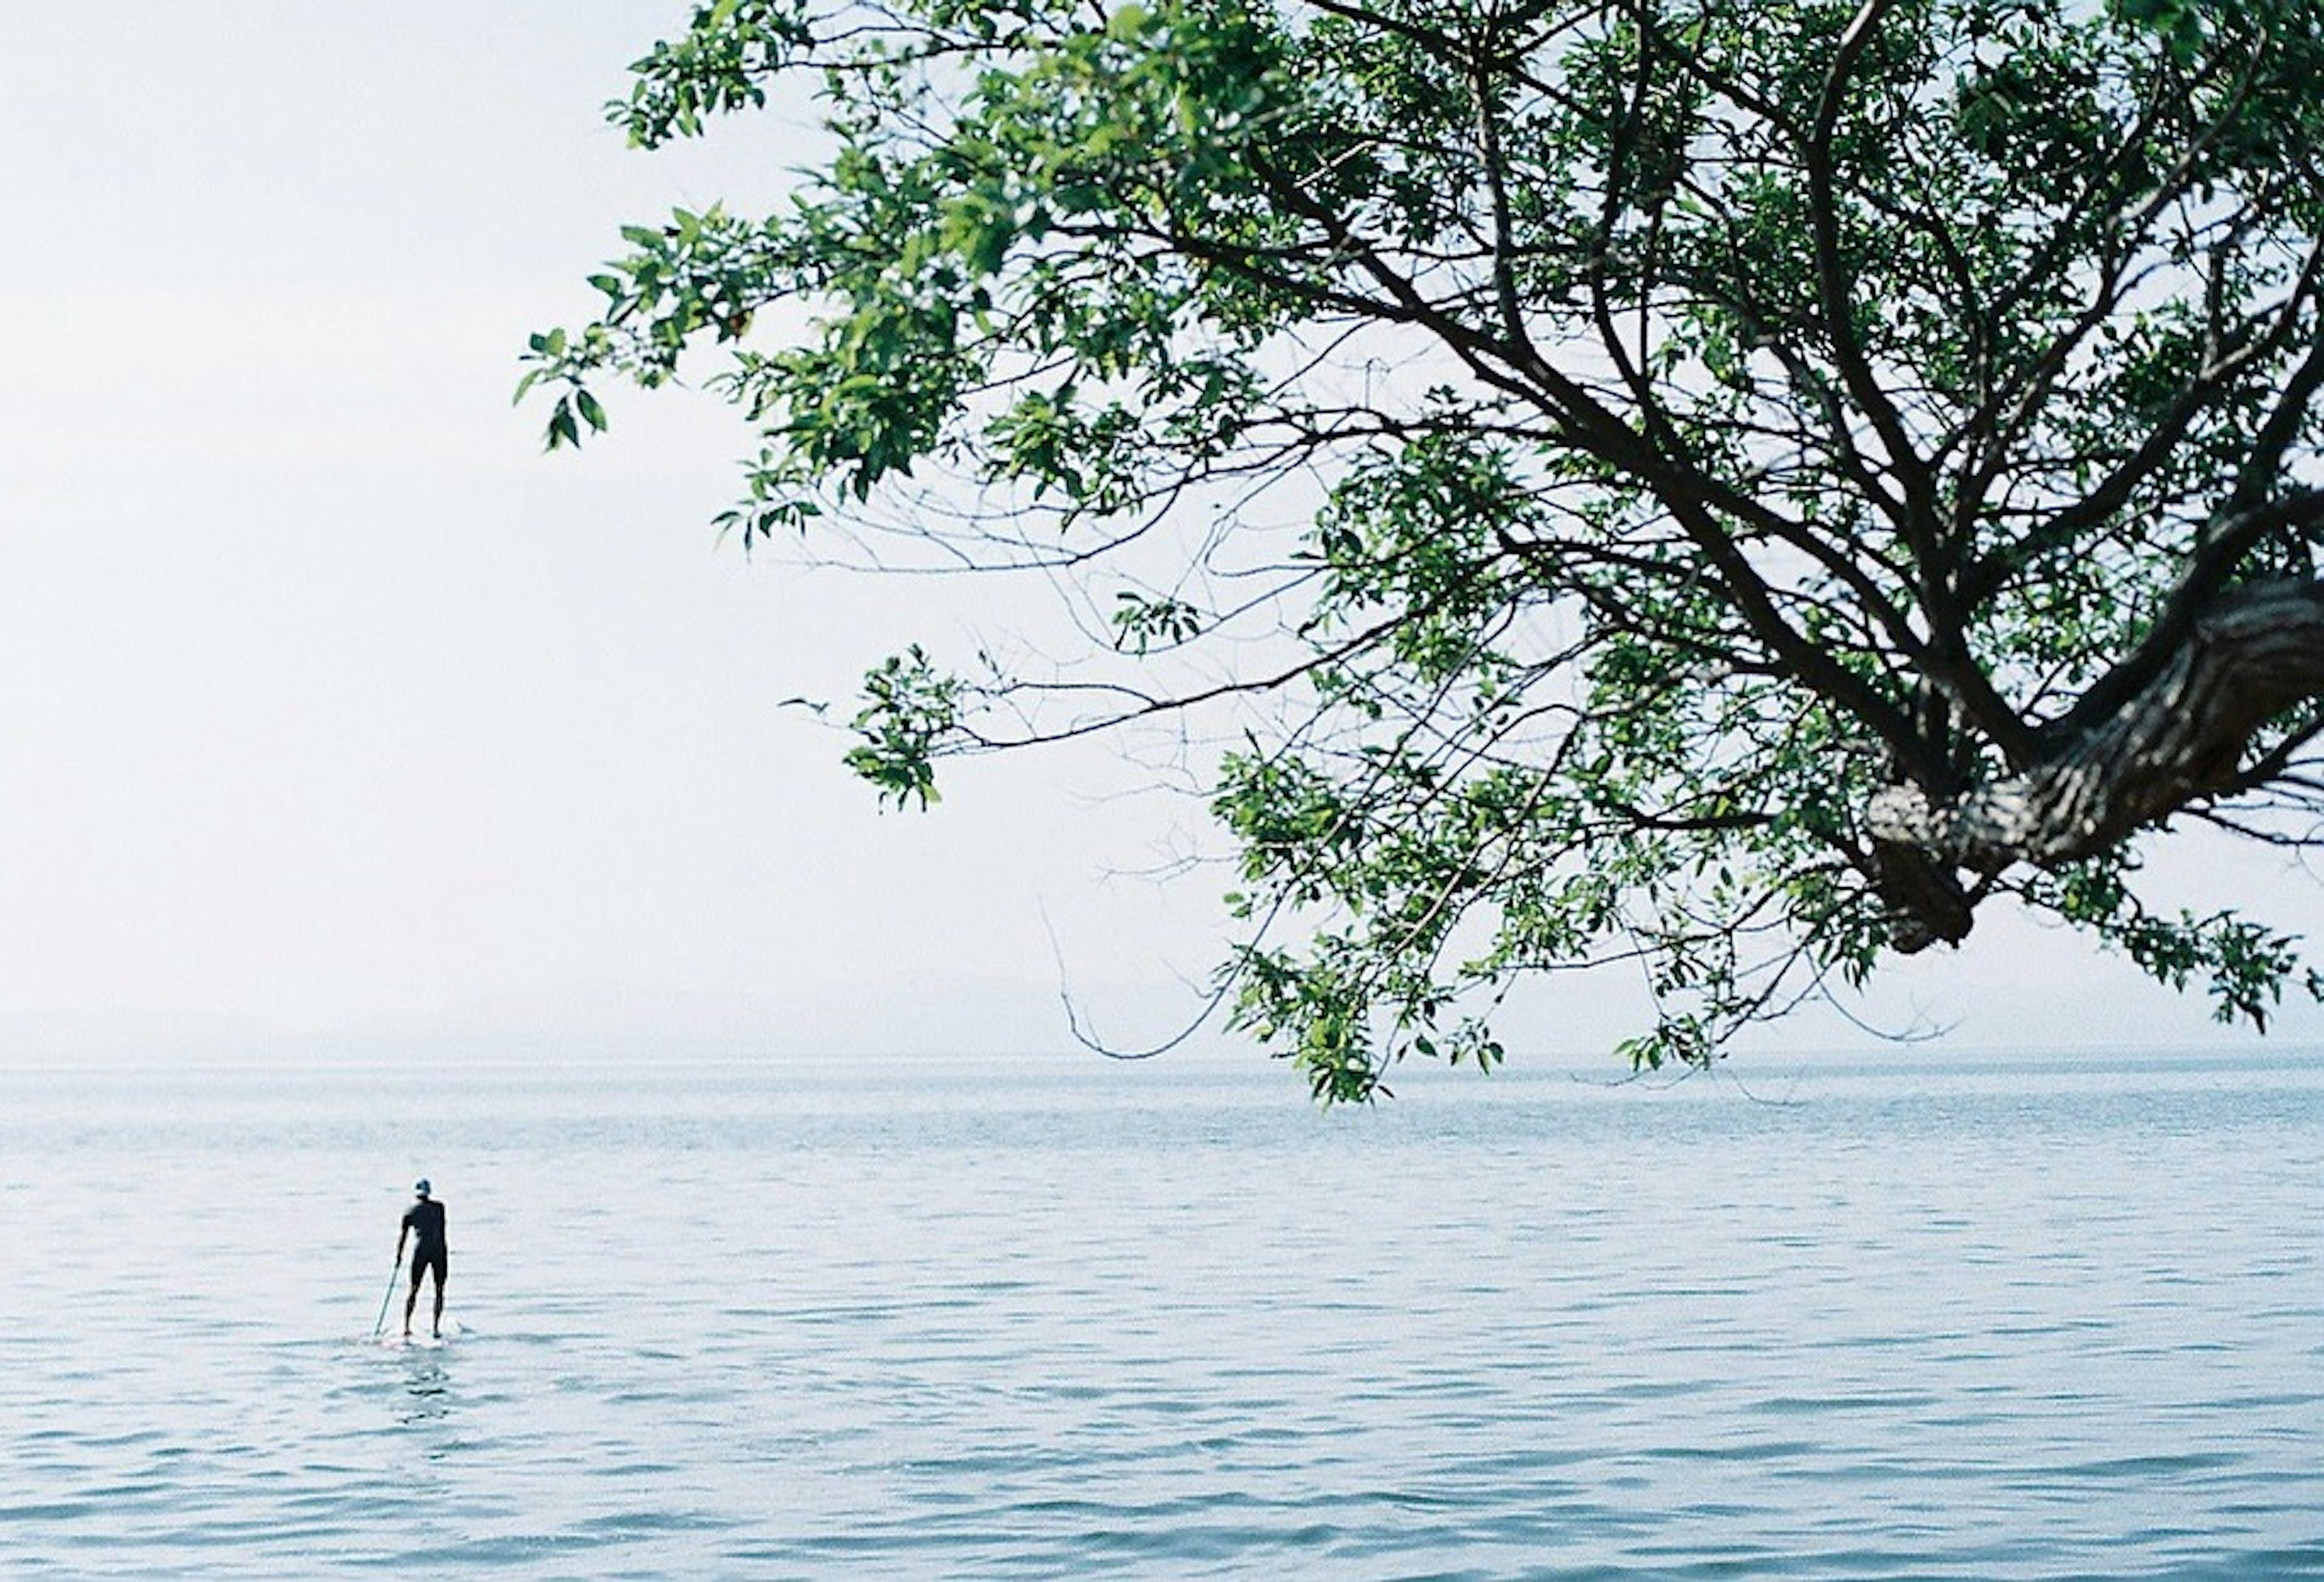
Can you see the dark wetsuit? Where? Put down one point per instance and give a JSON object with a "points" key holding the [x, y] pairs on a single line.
{"points": [[425, 1220]]}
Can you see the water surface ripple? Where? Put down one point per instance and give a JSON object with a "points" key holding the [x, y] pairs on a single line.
{"points": [[1902, 1317]]}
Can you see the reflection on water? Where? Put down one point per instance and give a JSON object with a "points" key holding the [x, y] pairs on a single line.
{"points": [[428, 1388]]}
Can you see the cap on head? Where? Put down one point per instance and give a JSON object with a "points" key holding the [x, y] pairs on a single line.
{"points": [[420, 1186]]}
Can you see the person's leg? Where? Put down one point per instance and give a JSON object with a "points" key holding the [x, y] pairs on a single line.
{"points": [[436, 1325], [413, 1300]]}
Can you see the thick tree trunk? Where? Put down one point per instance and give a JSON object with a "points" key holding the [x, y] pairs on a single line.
{"points": [[2259, 651]]}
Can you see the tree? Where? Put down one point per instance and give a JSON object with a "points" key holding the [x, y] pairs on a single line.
{"points": [[1732, 485]]}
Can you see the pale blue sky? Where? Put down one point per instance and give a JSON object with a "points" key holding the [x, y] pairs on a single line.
{"points": [[334, 716]]}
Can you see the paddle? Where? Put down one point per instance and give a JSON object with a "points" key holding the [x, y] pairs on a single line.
{"points": [[389, 1297]]}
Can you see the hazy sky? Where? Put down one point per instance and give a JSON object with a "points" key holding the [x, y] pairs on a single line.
{"points": [[335, 716]]}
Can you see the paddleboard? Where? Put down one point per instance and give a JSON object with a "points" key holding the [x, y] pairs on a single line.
{"points": [[420, 1339]]}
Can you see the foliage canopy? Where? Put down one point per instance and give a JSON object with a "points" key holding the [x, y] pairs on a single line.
{"points": [[1732, 485]]}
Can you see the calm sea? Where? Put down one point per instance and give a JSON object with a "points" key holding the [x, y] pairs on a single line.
{"points": [[1904, 1316]]}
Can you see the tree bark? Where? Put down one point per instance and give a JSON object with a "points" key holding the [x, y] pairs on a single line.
{"points": [[2257, 652]]}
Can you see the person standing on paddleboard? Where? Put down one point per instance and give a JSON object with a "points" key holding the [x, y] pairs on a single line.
{"points": [[424, 1223]]}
